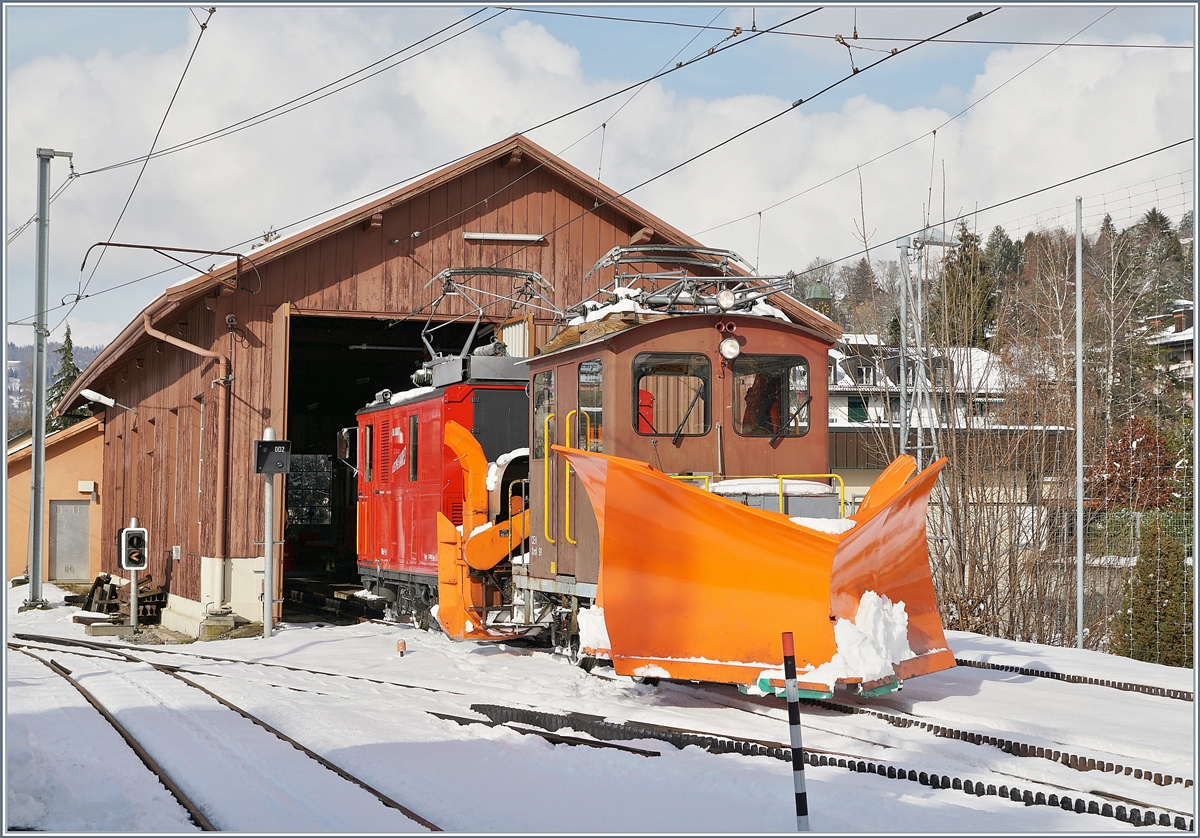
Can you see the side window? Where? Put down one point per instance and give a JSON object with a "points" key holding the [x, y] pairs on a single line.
{"points": [[368, 452], [590, 431], [671, 394], [770, 395], [413, 424], [543, 406]]}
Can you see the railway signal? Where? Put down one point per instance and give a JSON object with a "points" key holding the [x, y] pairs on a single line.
{"points": [[131, 548]]}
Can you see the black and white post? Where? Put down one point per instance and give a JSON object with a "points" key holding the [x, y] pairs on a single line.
{"points": [[793, 703]]}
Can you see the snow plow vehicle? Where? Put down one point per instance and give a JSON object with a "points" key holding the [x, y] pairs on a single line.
{"points": [[651, 489]]}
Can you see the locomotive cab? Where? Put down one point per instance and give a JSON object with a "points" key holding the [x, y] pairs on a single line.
{"points": [[407, 475], [658, 389]]}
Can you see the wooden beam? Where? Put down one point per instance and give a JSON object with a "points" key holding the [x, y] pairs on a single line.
{"points": [[513, 158], [374, 221], [642, 236]]}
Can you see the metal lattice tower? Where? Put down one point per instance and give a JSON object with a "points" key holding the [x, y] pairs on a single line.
{"points": [[920, 416]]}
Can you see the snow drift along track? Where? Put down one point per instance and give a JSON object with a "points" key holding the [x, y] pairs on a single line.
{"points": [[220, 744]]}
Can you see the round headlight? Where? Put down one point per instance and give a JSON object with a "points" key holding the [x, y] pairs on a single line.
{"points": [[729, 349], [725, 299]]}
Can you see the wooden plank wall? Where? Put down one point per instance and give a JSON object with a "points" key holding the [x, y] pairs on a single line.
{"points": [[160, 462]]}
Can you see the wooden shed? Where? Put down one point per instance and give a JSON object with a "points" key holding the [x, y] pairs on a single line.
{"points": [[300, 334]]}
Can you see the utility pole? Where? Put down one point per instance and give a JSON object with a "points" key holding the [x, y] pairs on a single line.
{"points": [[1079, 420], [41, 330]]}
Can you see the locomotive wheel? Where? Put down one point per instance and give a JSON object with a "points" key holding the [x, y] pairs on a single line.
{"points": [[642, 679]]}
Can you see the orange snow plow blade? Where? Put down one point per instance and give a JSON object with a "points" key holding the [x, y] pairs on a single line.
{"points": [[694, 586], [462, 596]]}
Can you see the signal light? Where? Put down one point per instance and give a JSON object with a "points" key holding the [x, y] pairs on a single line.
{"points": [[131, 548]]}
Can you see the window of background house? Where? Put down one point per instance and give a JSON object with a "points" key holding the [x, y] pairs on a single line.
{"points": [[856, 408]]}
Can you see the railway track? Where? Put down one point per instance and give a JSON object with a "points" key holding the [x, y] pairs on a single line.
{"points": [[1137, 813], [1011, 786], [207, 808]]}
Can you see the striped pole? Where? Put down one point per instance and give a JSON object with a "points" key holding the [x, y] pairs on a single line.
{"points": [[793, 702]]}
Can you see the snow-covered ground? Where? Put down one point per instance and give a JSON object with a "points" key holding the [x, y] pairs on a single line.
{"points": [[68, 771]]}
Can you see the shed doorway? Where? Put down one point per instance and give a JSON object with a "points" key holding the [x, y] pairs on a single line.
{"points": [[336, 365]]}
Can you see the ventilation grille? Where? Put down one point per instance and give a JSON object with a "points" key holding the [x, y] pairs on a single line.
{"points": [[385, 452]]}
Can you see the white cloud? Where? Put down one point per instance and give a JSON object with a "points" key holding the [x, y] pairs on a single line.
{"points": [[1074, 111]]}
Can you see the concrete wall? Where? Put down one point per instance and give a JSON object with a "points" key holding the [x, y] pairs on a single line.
{"points": [[72, 455]]}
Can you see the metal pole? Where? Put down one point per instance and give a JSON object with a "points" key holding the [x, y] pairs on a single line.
{"points": [[133, 586], [37, 487], [903, 245], [793, 702], [1079, 420], [268, 545]]}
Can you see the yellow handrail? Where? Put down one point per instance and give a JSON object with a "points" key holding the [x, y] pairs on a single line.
{"points": [[587, 430], [837, 477], [705, 477], [508, 510], [567, 481], [546, 478]]}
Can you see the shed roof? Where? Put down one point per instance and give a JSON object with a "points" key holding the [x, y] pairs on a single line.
{"points": [[184, 294], [21, 447]]}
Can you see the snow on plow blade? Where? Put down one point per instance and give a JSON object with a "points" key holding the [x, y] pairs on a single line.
{"points": [[697, 587]]}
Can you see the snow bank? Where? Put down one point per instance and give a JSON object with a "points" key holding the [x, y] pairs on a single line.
{"points": [[596, 311], [410, 395], [593, 632], [866, 647], [495, 468], [833, 526], [770, 486]]}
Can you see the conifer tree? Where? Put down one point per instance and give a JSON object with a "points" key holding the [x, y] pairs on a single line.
{"points": [[963, 308], [1154, 622], [67, 373]]}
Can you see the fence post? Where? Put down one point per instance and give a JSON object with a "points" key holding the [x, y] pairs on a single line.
{"points": [[793, 702]]}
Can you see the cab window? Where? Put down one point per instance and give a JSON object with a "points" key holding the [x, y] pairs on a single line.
{"points": [[591, 396], [671, 394], [770, 395], [543, 406]]}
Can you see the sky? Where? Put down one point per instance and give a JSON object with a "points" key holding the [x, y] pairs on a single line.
{"points": [[69, 771], [936, 131]]}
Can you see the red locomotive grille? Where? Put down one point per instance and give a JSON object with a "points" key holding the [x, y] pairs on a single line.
{"points": [[385, 452], [456, 513]]}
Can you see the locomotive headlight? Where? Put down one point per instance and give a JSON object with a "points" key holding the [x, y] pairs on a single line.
{"points": [[725, 299], [729, 349]]}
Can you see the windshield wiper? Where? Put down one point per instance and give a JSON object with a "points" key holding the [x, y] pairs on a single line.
{"points": [[786, 424], [679, 430]]}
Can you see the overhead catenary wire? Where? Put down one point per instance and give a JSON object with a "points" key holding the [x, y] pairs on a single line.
{"points": [[146, 161], [889, 39], [825, 262], [281, 109], [640, 86], [998, 204], [902, 146], [707, 54], [12, 236], [970, 19]]}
